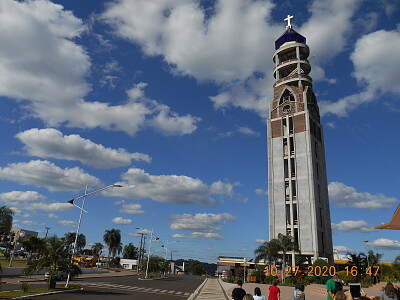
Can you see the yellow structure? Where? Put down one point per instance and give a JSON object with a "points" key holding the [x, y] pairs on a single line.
{"points": [[394, 223]]}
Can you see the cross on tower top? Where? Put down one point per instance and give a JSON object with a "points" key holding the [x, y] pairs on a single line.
{"points": [[288, 21]]}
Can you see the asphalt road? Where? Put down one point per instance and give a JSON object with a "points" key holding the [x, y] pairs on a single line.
{"points": [[130, 287]]}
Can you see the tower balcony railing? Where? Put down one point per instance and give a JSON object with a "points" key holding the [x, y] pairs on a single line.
{"points": [[301, 60], [293, 78], [304, 50]]}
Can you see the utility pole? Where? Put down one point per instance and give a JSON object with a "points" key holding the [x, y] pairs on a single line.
{"points": [[140, 250], [47, 231]]}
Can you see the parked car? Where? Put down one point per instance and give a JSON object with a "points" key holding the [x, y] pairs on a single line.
{"points": [[60, 275]]}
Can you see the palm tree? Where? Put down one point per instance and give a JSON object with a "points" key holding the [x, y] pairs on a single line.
{"points": [[112, 238], [55, 257], [130, 251], [286, 244], [70, 240], [267, 251], [96, 248]]}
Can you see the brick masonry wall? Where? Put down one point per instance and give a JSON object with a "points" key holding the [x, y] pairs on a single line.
{"points": [[276, 128]]}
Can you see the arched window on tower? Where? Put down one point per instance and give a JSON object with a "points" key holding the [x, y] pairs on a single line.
{"points": [[286, 97]]}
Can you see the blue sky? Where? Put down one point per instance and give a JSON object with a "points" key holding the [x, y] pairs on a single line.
{"points": [[169, 98]]}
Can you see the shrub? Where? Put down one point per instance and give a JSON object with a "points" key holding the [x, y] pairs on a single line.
{"points": [[24, 287], [347, 278], [270, 279]]}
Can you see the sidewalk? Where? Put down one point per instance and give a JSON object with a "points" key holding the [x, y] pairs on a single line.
{"points": [[211, 288], [33, 278], [313, 291]]}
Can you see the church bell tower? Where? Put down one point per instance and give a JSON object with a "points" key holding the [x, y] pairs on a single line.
{"points": [[297, 184]]}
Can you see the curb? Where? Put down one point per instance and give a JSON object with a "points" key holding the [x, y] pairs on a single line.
{"points": [[197, 291], [39, 280], [50, 293], [220, 284]]}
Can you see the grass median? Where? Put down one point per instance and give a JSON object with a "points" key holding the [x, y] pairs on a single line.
{"points": [[36, 291]]}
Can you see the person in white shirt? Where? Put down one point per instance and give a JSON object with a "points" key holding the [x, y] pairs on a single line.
{"points": [[257, 294]]}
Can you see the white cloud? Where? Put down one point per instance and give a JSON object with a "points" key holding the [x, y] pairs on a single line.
{"points": [[54, 67], [56, 206], [192, 45], [372, 64], [198, 235], [385, 244], [223, 188], [200, 222], [51, 75], [162, 188], [29, 223], [67, 223], [373, 68], [343, 249], [52, 143], [121, 221], [19, 212], [30, 200], [261, 192], [324, 42], [46, 174], [260, 241], [211, 47], [346, 226], [170, 188], [347, 196], [21, 197], [132, 208], [52, 216], [247, 131]]}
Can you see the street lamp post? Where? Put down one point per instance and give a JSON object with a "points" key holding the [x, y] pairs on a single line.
{"points": [[148, 254], [19, 234], [47, 231], [166, 251], [366, 248], [140, 247], [80, 218]]}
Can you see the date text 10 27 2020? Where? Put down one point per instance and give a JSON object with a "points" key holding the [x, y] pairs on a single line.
{"points": [[321, 271]]}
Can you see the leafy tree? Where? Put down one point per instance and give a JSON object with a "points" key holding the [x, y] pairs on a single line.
{"points": [[96, 248], [87, 252], [112, 238], [70, 240], [157, 264], [34, 246], [196, 268], [373, 259], [6, 219], [130, 251], [397, 260], [55, 257]]}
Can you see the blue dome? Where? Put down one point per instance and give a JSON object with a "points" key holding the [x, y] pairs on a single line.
{"points": [[288, 36]]}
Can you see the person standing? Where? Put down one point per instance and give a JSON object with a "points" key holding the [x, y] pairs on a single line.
{"points": [[299, 294], [389, 292], [258, 295], [331, 286], [238, 292], [274, 292]]}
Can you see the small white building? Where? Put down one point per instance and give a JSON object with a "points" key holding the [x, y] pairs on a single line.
{"points": [[131, 264]]}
